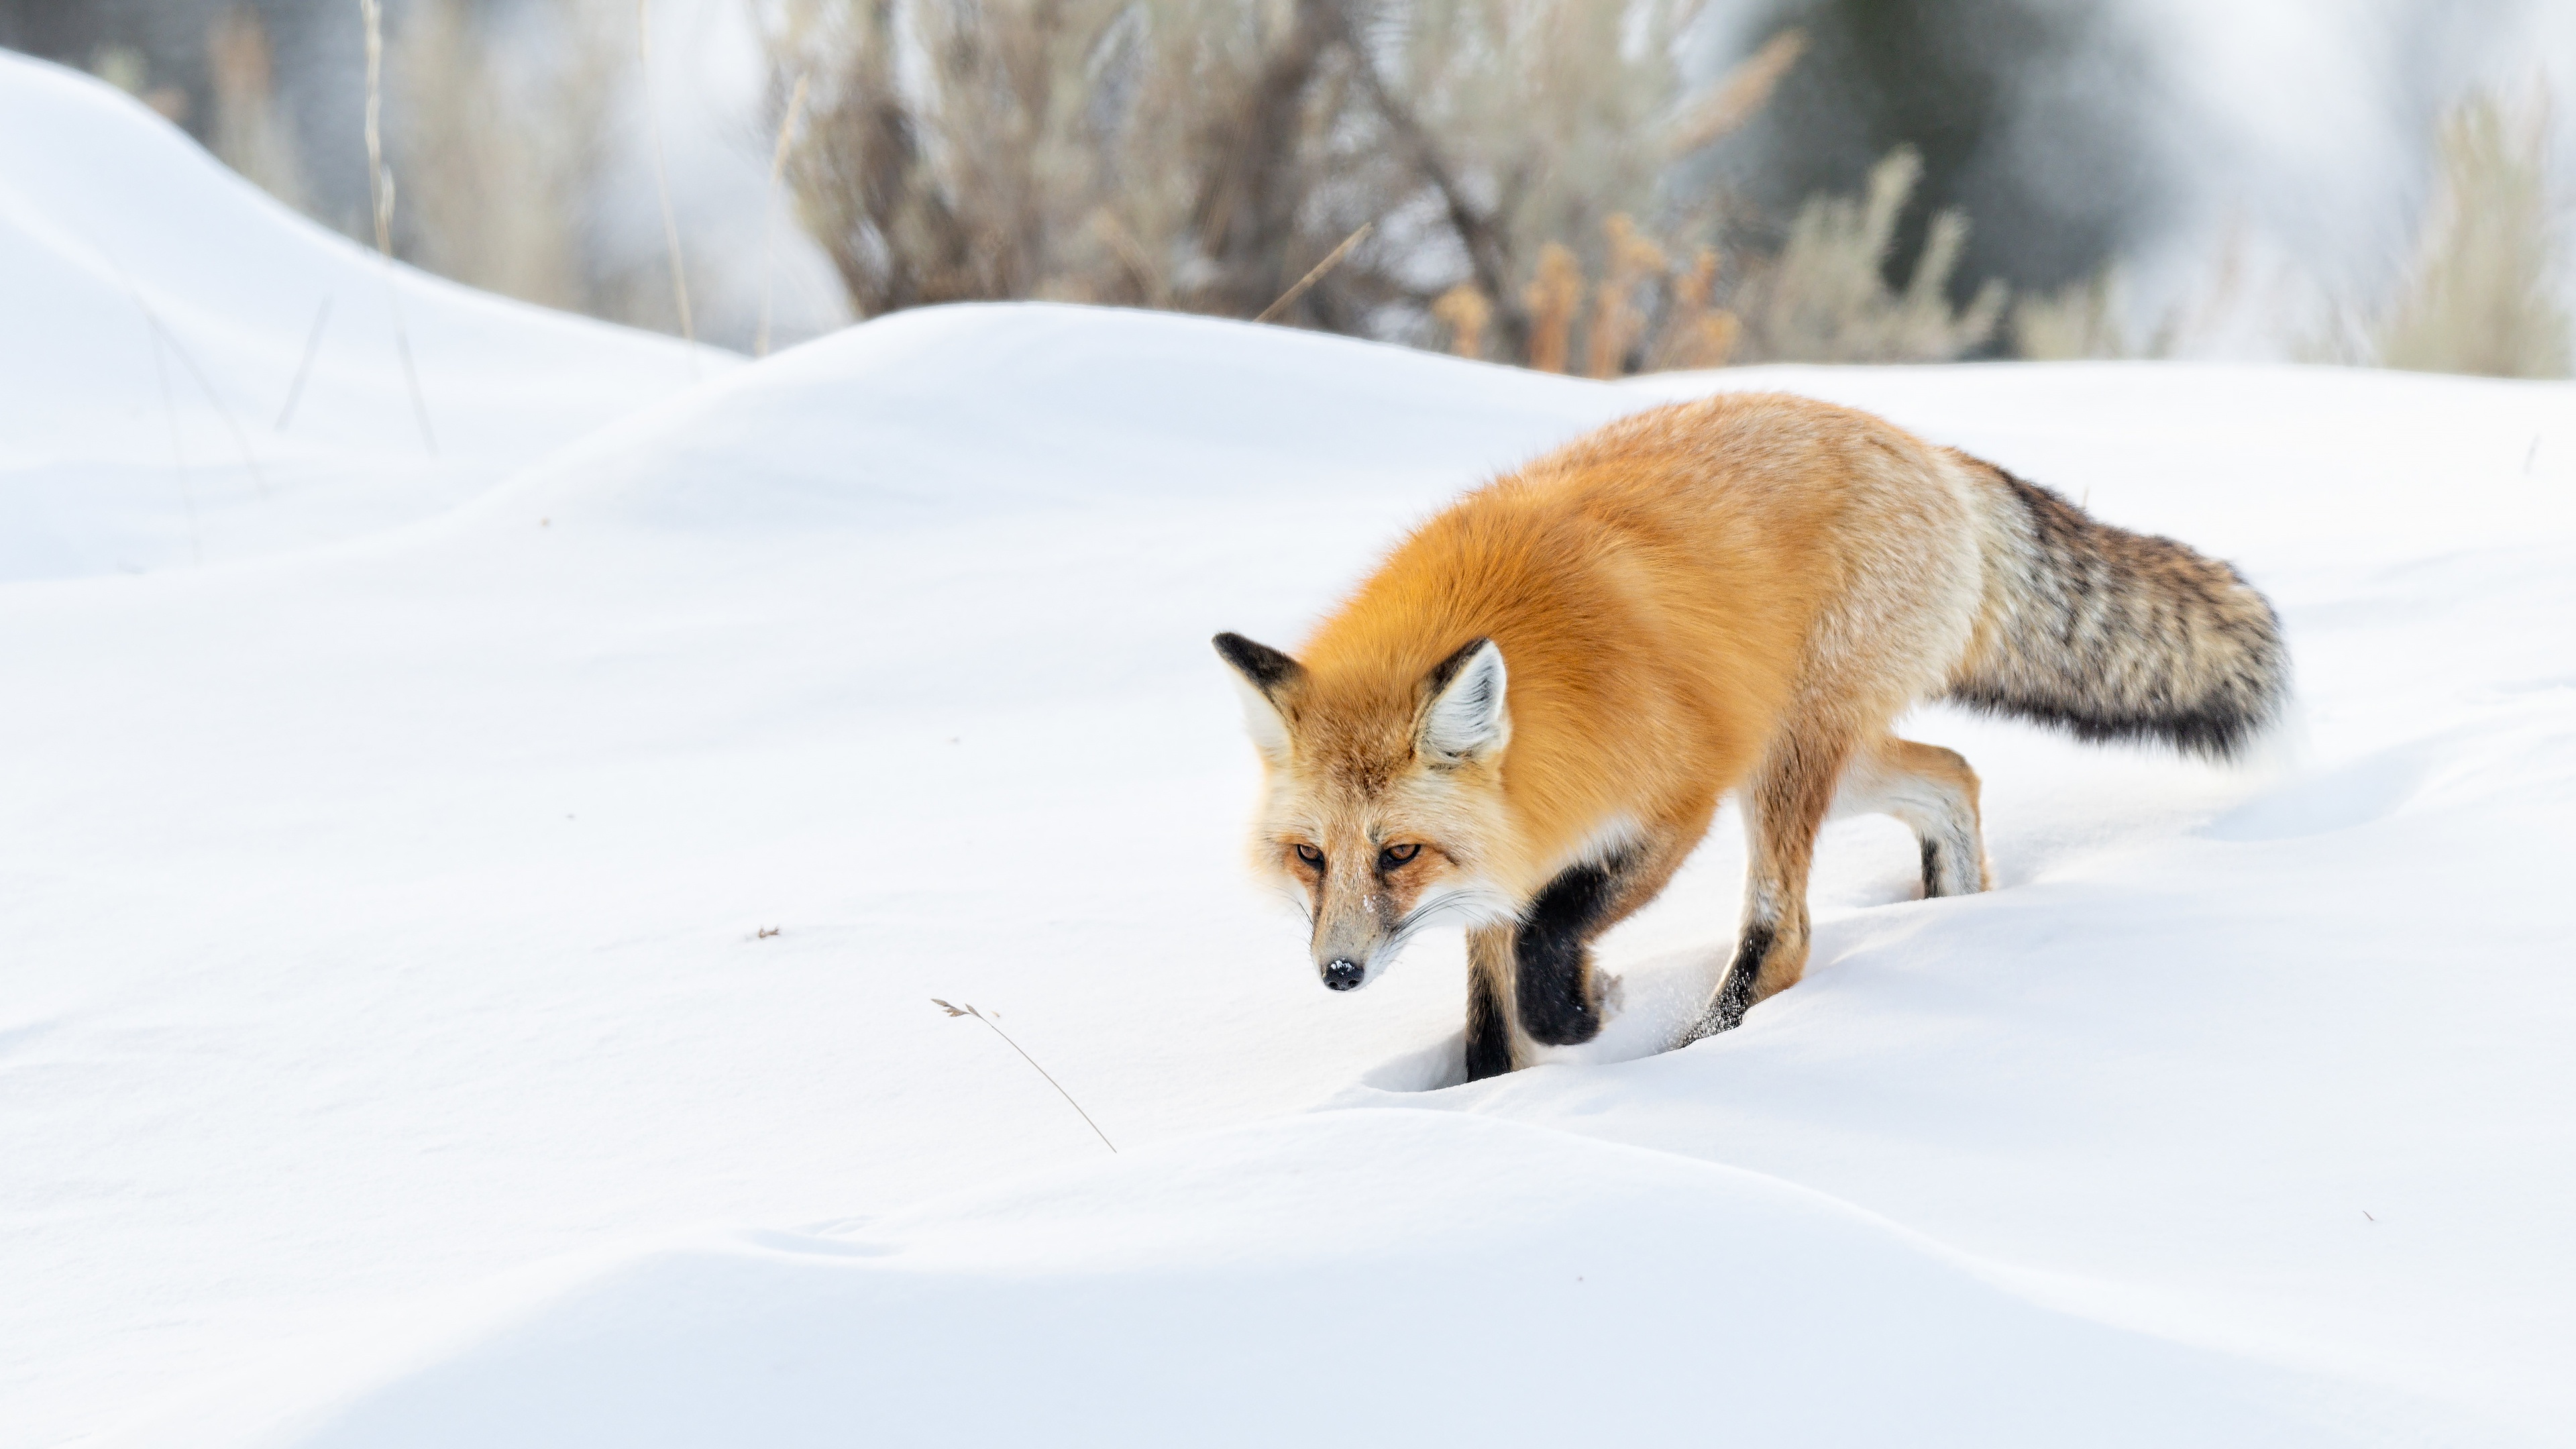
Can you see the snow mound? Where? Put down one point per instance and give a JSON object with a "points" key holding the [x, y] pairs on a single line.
{"points": [[162, 311], [573, 873], [991, 411], [1381, 1278]]}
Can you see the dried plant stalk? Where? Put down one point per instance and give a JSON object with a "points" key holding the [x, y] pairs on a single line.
{"points": [[250, 133], [662, 179], [1552, 297], [2079, 320], [1465, 312], [1033, 1063], [2482, 297], [500, 158], [769, 218], [1194, 153], [1739, 96], [1617, 320], [1824, 298], [178, 446], [304, 367], [380, 186], [1697, 333], [1315, 274]]}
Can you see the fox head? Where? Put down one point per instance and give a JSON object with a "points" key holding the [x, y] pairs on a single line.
{"points": [[1382, 806]]}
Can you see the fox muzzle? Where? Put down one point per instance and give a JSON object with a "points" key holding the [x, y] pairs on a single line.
{"points": [[1342, 973]]}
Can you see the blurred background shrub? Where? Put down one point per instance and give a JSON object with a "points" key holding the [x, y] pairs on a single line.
{"points": [[1601, 186]]}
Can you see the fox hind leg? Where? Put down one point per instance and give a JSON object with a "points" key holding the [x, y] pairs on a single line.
{"points": [[1784, 804], [1489, 1012], [1934, 793]]}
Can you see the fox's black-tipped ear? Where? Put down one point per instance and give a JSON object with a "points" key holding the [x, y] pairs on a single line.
{"points": [[1463, 717], [1265, 675], [1262, 667]]}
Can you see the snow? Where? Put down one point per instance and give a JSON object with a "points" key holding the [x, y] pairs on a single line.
{"points": [[159, 312], [392, 1049]]}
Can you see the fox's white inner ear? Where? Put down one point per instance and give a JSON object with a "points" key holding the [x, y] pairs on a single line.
{"points": [[1466, 719], [1268, 727], [1262, 672]]}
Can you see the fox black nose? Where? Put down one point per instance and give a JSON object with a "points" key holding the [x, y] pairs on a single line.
{"points": [[1342, 973]]}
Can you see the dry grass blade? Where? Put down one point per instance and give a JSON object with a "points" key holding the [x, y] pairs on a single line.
{"points": [[502, 141], [1189, 153], [304, 369], [1633, 261], [2080, 320], [1696, 333], [162, 337], [241, 440], [178, 448], [251, 131], [1033, 1063], [1739, 96], [1465, 312], [169, 401], [662, 179], [1552, 297], [2481, 297], [1315, 274], [380, 186], [769, 218], [1131, 254], [1825, 299]]}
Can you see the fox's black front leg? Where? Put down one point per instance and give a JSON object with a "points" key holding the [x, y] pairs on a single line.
{"points": [[1541, 965], [1551, 954]]}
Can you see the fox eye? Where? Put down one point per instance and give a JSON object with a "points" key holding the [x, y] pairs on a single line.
{"points": [[1311, 856], [1395, 855]]}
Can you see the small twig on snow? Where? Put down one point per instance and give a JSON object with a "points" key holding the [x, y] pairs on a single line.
{"points": [[1033, 1062], [312, 346]]}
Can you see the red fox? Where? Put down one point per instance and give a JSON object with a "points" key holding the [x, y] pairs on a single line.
{"points": [[1524, 720]]}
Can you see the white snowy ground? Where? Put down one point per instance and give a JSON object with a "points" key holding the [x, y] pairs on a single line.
{"points": [[391, 1052], [156, 312]]}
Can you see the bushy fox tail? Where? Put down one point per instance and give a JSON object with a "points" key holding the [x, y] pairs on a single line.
{"points": [[2116, 635]]}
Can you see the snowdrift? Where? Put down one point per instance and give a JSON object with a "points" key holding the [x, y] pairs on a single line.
{"points": [[468, 983], [1373, 1277], [161, 312], [978, 413]]}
